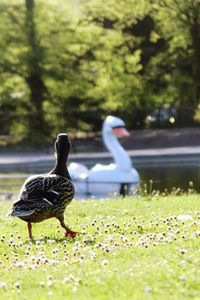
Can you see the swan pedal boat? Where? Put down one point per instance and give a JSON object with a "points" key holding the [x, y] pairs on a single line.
{"points": [[101, 181]]}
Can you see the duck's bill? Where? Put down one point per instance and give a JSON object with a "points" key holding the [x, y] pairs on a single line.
{"points": [[120, 132]]}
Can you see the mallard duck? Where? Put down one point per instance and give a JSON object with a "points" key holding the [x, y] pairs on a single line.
{"points": [[46, 196]]}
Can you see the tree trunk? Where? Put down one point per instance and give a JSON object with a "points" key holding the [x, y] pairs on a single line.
{"points": [[29, 4], [195, 34], [37, 129]]}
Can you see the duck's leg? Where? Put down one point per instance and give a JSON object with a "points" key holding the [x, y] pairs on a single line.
{"points": [[30, 230], [69, 233]]}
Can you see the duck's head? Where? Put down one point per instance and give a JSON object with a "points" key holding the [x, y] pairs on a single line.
{"points": [[116, 126], [62, 145]]}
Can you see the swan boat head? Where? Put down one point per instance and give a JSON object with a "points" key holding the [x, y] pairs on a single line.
{"points": [[114, 128], [113, 125]]}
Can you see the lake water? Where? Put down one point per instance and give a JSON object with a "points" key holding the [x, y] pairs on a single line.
{"points": [[163, 176], [169, 177]]}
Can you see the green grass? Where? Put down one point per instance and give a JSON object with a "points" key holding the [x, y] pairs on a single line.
{"points": [[129, 249]]}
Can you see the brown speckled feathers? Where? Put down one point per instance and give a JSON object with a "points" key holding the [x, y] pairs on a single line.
{"points": [[43, 197]]}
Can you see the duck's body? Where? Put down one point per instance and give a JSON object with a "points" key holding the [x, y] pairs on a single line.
{"points": [[43, 197], [46, 196]]}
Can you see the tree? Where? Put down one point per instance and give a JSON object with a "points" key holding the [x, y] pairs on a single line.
{"points": [[21, 69], [116, 62], [37, 128], [179, 23], [65, 66]]}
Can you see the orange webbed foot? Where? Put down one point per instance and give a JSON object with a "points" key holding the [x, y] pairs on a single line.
{"points": [[71, 234]]}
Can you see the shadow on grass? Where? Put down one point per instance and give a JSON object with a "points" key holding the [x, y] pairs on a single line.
{"points": [[54, 240], [50, 240]]}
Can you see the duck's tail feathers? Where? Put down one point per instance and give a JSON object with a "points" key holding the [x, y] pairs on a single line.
{"points": [[21, 213]]}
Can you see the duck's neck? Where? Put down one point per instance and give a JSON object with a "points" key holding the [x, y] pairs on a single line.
{"points": [[60, 167], [120, 156]]}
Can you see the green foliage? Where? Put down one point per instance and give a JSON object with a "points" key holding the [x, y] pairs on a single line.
{"points": [[66, 65], [178, 22]]}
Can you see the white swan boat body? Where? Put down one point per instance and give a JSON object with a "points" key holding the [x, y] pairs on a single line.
{"points": [[107, 180]]}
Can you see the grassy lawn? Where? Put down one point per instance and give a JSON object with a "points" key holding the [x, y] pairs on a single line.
{"points": [[129, 249]]}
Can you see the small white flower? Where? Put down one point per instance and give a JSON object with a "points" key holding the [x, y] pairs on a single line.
{"points": [[104, 262], [147, 289], [3, 284], [17, 285], [20, 264], [184, 217], [42, 284], [183, 277], [183, 251]]}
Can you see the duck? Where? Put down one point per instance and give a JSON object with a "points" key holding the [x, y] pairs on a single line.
{"points": [[46, 196], [117, 178]]}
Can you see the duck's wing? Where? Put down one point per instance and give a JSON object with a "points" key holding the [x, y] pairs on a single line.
{"points": [[50, 184], [30, 203], [39, 194]]}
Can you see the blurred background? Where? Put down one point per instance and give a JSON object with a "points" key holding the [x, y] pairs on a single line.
{"points": [[65, 65]]}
